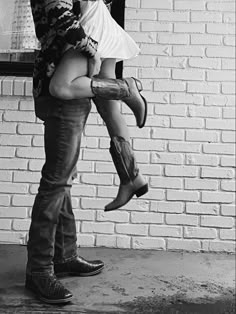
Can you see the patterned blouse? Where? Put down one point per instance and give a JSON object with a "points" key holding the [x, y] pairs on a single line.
{"points": [[57, 25]]}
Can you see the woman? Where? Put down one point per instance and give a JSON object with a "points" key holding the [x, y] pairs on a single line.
{"points": [[75, 78]]}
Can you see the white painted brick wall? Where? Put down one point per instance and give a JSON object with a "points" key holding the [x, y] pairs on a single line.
{"points": [[186, 151]]}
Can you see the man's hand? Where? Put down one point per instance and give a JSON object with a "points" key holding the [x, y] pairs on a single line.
{"points": [[94, 65]]}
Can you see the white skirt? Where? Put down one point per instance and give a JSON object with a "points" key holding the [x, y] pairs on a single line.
{"points": [[113, 41]]}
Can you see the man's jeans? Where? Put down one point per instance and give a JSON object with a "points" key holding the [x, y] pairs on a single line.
{"points": [[52, 235]]}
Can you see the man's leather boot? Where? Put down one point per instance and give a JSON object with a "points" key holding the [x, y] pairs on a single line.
{"points": [[78, 266], [47, 288], [127, 90], [131, 181]]}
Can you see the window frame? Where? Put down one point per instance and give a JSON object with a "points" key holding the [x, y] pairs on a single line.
{"points": [[25, 68]]}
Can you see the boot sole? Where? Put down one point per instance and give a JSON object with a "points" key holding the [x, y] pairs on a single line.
{"points": [[65, 274], [141, 191], [45, 300], [140, 88]]}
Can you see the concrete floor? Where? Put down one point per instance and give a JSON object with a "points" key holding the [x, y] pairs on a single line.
{"points": [[139, 282]]}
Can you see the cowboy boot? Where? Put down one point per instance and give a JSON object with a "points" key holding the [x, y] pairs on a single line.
{"points": [[127, 90], [131, 181]]}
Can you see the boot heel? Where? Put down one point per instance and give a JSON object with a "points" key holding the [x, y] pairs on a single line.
{"points": [[138, 84], [142, 190]]}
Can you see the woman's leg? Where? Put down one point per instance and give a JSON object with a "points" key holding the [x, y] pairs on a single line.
{"points": [[131, 181], [70, 82], [109, 110]]}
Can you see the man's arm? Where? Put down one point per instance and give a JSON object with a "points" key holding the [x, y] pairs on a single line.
{"points": [[61, 18]]}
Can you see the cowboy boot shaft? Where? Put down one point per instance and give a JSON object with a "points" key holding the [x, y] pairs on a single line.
{"points": [[110, 88], [124, 159]]}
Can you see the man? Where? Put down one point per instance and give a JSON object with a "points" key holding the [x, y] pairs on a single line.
{"points": [[52, 248]]}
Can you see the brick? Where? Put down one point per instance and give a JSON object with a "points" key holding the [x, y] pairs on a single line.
{"points": [[170, 110], [166, 231], [202, 209], [201, 184], [181, 219], [123, 242], [184, 98], [204, 112], [153, 49], [188, 75], [11, 164], [171, 62], [82, 215], [15, 140], [227, 185], [229, 18], [152, 145], [86, 240], [186, 245], [177, 122], [220, 124], [228, 64], [203, 87], [97, 227], [7, 128], [167, 207], [4, 201], [206, 39], [154, 73], [29, 128], [12, 237], [202, 160], [103, 179], [172, 39], [228, 162], [190, 5], [22, 200], [26, 176], [173, 195], [220, 76], [27, 105], [228, 137], [167, 158], [187, 147], [223, 149], [157, 4], [14, 188], [168, 85], [21, 224], [13, 212], [229, 113], [220, 52], [181, 171], [228, 235], [220, 222], [89, 142], [189, 28], [220, 28], [217, 173], [30, 152], [200, 233], [168, 134], [229, 40], [106, 240], [148, 243], [202, 136], [156, 27], [146, 61], [204, 63], [36, 165], [188, 51], [173, 16], [9, 104], [216, 100], [5, 224], [150, 169], [140, 14], [223, 246], [19, 116], [221, 6], [7, 86], [95, 155], [5, 176], [206, 17], [19, 86], [228, 210], [217, 197], [228, 88], [168, 183], [132, 229], [115, 216], [83, 190], [146, 218]]}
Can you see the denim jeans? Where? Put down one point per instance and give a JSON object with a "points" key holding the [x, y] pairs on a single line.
{"points": [[52, 235]]}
